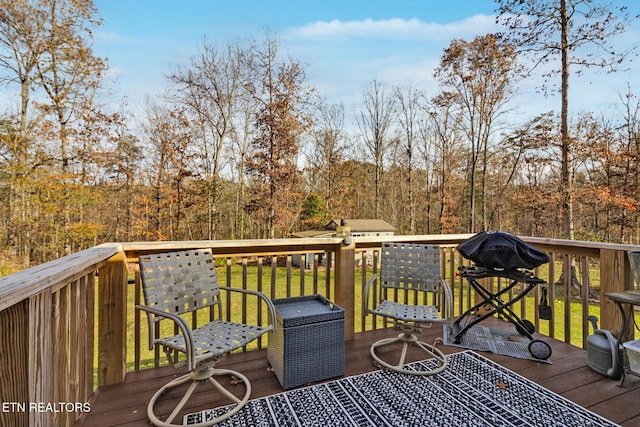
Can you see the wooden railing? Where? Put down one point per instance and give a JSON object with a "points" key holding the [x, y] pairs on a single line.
{"points": [[68, 326], [48, 339]]}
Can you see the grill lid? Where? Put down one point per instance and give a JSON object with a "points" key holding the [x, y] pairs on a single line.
{"points": [[501, 250]]}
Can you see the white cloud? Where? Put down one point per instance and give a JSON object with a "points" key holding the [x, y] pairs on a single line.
{"points": [[395, 28], [109, 36], [343, 55]]}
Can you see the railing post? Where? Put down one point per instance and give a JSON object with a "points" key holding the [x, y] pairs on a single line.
{"points": [[40, 356], [615, 276], [345, 286], [112, 320]]}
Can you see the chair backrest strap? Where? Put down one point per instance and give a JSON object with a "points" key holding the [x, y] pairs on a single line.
{"points": [[410, 266], [179, 282]]}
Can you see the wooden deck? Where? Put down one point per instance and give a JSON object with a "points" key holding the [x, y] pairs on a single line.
{"points": [[568, 375]]}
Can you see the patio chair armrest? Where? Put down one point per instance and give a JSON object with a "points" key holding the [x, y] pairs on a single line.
{"points": [[365, 292], [263, 297], [180, 322], [448, 301]]}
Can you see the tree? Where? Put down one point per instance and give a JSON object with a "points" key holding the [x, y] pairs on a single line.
{"points": [[313, 215], [480, 75], [241, 136], [375, 122], [19, 55], [629, 135], [45, 50], [282, 117], [442, 152], [67, 70], [566, 30], [608, 153], [210, 89], [328, 151], [409, 111], [356, 195], [120, 161], [18, 144], [169, 134]]}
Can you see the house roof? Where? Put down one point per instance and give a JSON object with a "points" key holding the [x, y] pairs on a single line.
{"points": [[362, 225]]}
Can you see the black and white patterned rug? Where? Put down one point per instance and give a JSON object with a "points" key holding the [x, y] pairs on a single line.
{"points": [[472, 391]]}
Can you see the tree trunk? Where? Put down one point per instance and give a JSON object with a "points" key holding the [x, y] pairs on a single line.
{"points": [[567, 198]]}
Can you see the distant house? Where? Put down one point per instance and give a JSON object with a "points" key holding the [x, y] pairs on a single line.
{"points": [[359, 228], [364, 227]]}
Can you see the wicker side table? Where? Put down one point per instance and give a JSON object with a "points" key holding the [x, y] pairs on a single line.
{"points": [[308, 344]]}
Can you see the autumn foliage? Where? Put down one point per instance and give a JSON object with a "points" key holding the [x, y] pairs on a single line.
{"points": [[242, 146]]}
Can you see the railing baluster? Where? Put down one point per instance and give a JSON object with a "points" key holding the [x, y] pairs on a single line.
{"points": [[316, 262], [567, 297], [39, 360], [536, 300], [376, 297], [586, 289], [156, 349], [288, 269], [77, 344], [552, 293], [303, 262], [228, 283], [274, 266], [89, 309], [13, 381], [329, 257], [60, 338], [137, 299], [244, 296], [259, 288]]}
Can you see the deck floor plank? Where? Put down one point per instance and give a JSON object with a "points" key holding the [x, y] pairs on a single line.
{"points": [[568, 375]]}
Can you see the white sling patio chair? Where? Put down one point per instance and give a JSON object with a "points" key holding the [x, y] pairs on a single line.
{"points": [[410, 294], [179, 283]]}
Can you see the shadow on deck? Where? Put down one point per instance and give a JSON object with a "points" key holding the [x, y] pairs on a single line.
{"points": [[568, 375]]}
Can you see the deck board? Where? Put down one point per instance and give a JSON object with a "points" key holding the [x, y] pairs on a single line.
{"points": [[568, 375]]}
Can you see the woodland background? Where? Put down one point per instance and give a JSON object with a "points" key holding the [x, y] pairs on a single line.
{"points": [[242, 146]]}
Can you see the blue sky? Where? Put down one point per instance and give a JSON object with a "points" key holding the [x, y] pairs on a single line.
{"points": [[344, 44]]}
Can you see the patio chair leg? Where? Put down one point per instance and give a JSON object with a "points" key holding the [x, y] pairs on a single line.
{"points": [[406, 340], [207, 374]]}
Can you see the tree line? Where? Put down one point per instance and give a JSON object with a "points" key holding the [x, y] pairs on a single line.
{"points": [[241, 146]]}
